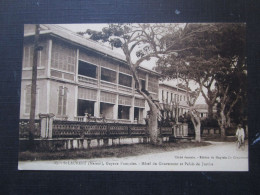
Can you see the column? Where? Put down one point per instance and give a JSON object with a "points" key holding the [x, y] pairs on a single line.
{"points": [[76, 101], [115, 109], [97, 105], [117, 77], [49, 58], [132, 111], [46, 125]]}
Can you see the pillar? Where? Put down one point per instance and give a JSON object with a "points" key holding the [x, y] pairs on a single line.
{"points": [[46, 125], [97, 105], [115, 109], [131, 114]]}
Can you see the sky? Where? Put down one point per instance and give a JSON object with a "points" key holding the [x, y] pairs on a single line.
{"points": [[147, 64]]}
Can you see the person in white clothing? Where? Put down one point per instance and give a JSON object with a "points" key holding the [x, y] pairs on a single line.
{"points": [[240, 133]]}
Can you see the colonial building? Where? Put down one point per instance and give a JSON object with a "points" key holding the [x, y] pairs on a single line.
{"points": [[172, 98], [78, 77], [202, 109]]}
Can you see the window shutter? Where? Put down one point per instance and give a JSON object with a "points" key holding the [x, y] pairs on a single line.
{"points": [[64, 100]]}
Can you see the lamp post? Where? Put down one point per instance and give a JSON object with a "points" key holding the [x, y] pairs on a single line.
{"points": [[34, 80]]}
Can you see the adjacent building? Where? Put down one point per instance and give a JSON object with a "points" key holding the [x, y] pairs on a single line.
{"points": [[173, 99], [79, 78], [202, 109]]}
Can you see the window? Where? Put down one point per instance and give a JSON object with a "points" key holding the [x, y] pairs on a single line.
{"points": [[62, 101], [108, 75], [87, 69], [85, 106], [63, 57], [125, 80], [153, 84], [143, 83], [171, 97], [175, 97], [167, 96], [136, 113], [123, 112], [162, 95], [184, 97], [181, 98], [28, 99]]}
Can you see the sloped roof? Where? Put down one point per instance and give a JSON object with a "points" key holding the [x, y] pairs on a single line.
{"points": [[203, 107], [73, 37], [171, 86]]}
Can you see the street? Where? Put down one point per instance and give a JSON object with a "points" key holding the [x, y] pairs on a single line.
{"points": [[220, 156]]}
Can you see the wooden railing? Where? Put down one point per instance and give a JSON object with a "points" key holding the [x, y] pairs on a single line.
{"points": [[108, 85], [126, 89], [87, 80]]}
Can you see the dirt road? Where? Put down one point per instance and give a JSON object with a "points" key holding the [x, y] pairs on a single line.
{"points": [[220, 156]]}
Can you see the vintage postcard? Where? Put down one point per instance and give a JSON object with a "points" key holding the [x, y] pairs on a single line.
{"points": [[134, 97]]}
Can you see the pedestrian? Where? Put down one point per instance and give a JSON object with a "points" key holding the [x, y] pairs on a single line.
{"points": [[240, 133]]}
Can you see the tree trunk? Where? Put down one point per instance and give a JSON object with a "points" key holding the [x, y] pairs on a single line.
{"points": [[197, 133], [196, 124], [154, 110], [153, 126], [210, 110], [228, 121], [222, 124]]}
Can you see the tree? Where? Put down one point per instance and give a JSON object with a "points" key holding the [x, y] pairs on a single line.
{"points": [[207, 54], [231, 77], [139, 42], [191, 62]]}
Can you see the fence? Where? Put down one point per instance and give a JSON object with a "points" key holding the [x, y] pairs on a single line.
{"points": [[75, 129], [46, 127], [70, 129], [63, 135]]}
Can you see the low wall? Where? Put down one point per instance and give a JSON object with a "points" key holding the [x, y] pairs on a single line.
{"points": [[78, 143]]}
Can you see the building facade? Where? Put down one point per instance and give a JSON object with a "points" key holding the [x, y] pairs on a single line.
{"points": [[202, 109], [79, 78], [173, 99]]}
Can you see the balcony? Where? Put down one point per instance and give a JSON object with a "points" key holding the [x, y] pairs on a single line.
{"points": [[125, 89], [108, 85], [87, 81]]}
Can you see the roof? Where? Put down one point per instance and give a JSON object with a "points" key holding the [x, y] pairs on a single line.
{"points": [[60, 32], [203, 107], [173, 87]]}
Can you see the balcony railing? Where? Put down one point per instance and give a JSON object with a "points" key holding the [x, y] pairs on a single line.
{"points": [[108, 85], [126, 89], [87, 80]]}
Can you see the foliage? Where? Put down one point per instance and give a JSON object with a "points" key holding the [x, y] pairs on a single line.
{"points": [[209, 122], [213, 56]]}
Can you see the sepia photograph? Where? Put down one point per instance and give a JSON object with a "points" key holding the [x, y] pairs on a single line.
{"points": [[134, 97]]}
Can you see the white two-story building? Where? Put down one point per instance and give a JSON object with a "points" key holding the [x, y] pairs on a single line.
{"points": [[78, 76]]}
